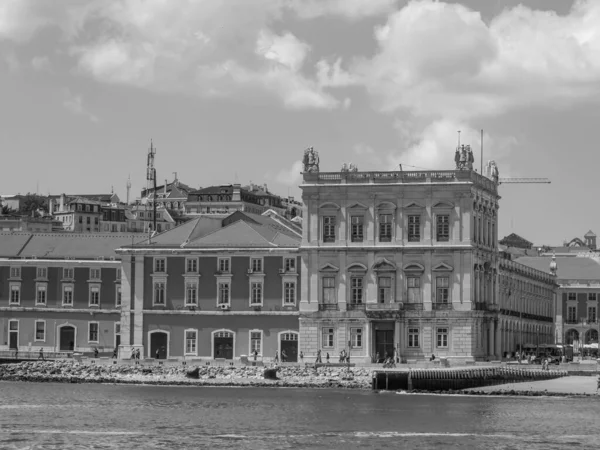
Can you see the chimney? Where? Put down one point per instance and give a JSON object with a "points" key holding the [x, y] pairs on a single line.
{"points": [[266, 190], [165, 188], [237, 193], [62, 201]]}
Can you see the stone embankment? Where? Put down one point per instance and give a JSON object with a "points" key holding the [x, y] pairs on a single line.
{"points": [[286, 376]]}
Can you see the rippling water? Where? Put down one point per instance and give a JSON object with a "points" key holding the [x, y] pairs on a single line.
{"points": [[63, 416]]}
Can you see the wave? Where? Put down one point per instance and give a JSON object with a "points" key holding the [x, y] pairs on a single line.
{"points": [[87, 432]]}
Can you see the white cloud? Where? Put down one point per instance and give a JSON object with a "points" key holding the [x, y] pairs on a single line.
{"points": [[291, 176], [350, 9], [333, 75], [442, 60], [74, 103], [40, 63]]}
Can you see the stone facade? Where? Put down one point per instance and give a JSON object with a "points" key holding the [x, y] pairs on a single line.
{"points": [[400, 262]]}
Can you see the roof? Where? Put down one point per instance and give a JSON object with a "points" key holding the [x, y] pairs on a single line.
{"points": [[85, 201], [214, 232], [590, 234], [225, 189], [568, 267], [62, 245], [514, 238]]}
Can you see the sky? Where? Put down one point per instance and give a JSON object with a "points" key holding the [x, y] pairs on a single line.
{"points": [[237, 89]]}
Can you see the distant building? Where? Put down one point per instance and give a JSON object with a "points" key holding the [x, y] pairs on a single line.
{"points": [[514, 240], [140, 219], [27, 223], [60, 291], [172, 196], [78, 214]]}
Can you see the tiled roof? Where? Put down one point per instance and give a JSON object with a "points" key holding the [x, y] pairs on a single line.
{"points": [[242, 234], [85, 201], [188, 231], [291, 229], [63, 245], [590, 234], [568, 267], [228, 189]]}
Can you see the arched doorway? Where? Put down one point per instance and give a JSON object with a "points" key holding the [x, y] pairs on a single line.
{"points": [[66, 338], [591, 336], [159, 344], [288, 343], [223, 344], [571, 336]]}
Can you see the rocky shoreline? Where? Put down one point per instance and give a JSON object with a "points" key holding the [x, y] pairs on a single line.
{"points": [[238, 376]]}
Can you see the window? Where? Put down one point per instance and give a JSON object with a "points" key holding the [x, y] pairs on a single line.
{"points": [[42, 272], [93, 332], [592, 314], [223, 293], [87, 209], [413, 337], [95, 221], [356, 337], [223, 265], [15, 294], [329, 229], [592, 296], [255, 342], [442, 227], [328, 336], [40, 296], [256, 293], [442, 291], [94, 295], [384, 291], [94, 274], [414, 289], [81, 219], [191, 338], [329, 290], [385, 227], [442, 337], [68, 273], [571, 296], [67, 294], [357, 226], [40, 330], [15, 272], [414, 228], [88, 221], [191, 293], [160, 288], [118, 295], [118, 277], [256, 265], [160, 265], [356, 290], [289, 293], [289, 264], [191, 265]]}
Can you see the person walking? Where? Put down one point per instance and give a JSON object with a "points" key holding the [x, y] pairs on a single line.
{"points": [[327, 357], [137, 353], [96, 352], [157, 354], [318, 360], [283, 356], [133, 353], [115, 352], [276, 357], [301, 356], [41, 355]]}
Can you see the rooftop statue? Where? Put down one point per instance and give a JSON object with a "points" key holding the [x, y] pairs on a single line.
{"points": [[310, 160], [463, 157]]}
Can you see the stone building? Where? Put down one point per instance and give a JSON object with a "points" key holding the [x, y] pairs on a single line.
{"points": [[60, 291], [401, 262], [213, 289]]}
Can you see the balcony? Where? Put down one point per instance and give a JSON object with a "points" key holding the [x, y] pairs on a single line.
{"points": [[413, 306], [356, 306], [441, 306], [395, 306], [482, 306], [328, 307]]}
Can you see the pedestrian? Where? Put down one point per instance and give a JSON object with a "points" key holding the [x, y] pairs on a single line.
{"points": [[16, 353], [115, 352], [327, 357], [301, 356], [283, 356], [41, 356], [96, 352], [255, 355], [133, 353], [137, 353], [157, 354], [377, 358], [318, 360], [276, 357], [598, 383]]}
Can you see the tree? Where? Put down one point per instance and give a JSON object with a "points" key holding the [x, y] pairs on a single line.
{"points": [[33, 202]]}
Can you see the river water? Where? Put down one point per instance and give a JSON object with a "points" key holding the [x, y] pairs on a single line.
{"points": [[65, 416]]}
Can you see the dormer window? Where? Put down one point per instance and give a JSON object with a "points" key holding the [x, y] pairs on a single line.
{"points": [[256, 265], [15, 272], [224, 265], [160, 265], [290, 264]]}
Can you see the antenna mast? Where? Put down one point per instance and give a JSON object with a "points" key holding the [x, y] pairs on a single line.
{"points": [[481, 157], [151, 181]]}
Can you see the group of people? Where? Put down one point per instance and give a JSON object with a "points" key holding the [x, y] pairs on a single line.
{"points": [[284, 356]]}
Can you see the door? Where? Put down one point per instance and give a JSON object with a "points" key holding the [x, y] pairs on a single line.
{"points": [[159, 341], [67, 339], [223, 345], [384, 344], [289, 345]]}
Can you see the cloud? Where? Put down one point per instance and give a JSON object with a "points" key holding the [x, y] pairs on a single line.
{"points": [[74, 103], [40, 63], [350, 9], [291, 176], [442, 60], [433, 147]]}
